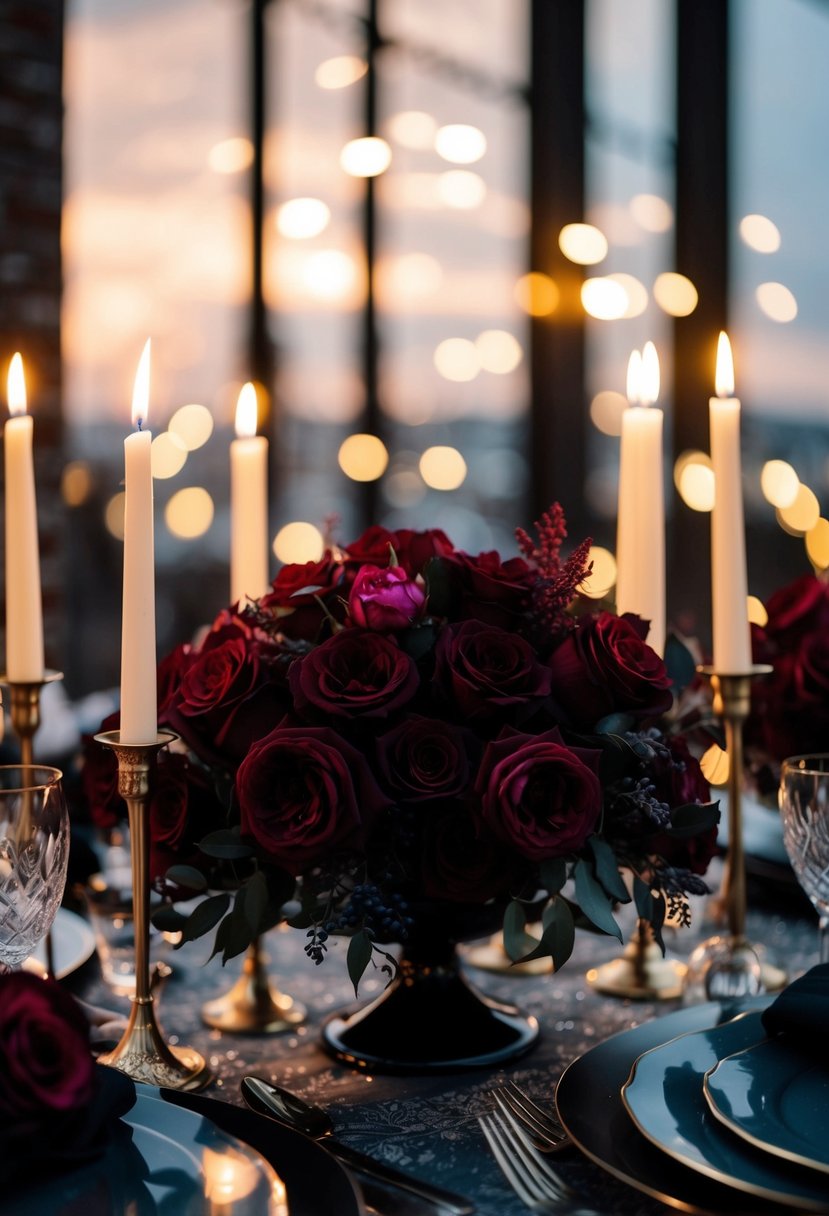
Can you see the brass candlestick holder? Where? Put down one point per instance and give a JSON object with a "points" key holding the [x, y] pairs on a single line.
{"points": [[253, 1005], [641, 973], [734, 953], [142, 1053], [24, 712]]}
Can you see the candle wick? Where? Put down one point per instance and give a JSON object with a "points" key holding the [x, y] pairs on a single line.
{"points": [[140, 422]]}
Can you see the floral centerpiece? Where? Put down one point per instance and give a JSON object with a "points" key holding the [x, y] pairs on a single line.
{"points": [[402, 739]]}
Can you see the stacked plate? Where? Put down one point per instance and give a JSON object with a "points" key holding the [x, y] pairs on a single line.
{"points": [[704, 1112]]}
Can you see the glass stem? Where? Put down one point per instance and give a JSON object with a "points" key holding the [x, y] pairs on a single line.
{"points": [[824, 939]]}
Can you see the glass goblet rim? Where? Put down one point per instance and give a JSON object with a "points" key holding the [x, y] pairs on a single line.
{"points": [[55, 776]]}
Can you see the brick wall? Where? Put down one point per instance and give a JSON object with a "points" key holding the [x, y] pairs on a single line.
{"points": [[31, 33]]}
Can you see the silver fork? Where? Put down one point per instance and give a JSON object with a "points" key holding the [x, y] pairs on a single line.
{"points": [[543, 1127], [532, 1178]]}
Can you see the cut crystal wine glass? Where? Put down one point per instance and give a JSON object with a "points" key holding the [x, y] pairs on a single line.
{"points": [[34, 850], [804, 806]]}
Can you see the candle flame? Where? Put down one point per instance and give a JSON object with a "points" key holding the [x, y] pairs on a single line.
{"points": [[724, 379], [141, 389], [634, 379], [649, 381], [16, 386], [247, 411]]}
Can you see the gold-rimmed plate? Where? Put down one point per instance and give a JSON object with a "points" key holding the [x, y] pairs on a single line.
{"points": [[664, 1097], [777, 1098]]}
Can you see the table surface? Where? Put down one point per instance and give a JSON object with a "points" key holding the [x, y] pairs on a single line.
{"points": [[428, 1125]]}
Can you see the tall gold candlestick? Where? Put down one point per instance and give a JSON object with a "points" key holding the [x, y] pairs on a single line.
{"points": [[142, 1052]]}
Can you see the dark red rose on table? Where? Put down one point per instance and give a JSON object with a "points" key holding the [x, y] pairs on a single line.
{"points": [[385, 599], [100, 779], [56, 1104], [298, 594], [797, 610], [305, 793], [484, 670], [415, 550], [372, 547], [678, 781], [424, 759], [462, 866], [538, 796], [354, 674], [183, 809], [606, 667], [494, 591]]}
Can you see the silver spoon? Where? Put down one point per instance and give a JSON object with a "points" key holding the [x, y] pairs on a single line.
{"points": [[314, 1122]]}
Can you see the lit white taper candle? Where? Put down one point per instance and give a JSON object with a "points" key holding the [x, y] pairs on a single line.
{"points": [[248, 503], [729, 583], [138, 658], [24, 609], [640, 544]]}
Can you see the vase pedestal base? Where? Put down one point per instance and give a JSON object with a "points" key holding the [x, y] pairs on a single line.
{"points": [[429, 1020], [641, 973], [253, 1005]]}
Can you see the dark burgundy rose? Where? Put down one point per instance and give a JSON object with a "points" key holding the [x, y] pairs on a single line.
{"points": [[484, 669], [498, 592], [354, 674], [304, 794], [46, 1063], [385, 599], [220, 676], [373, 547], [538, 796], [797, 610], [460, 865], [423, 759], [100, 779], [679, 780], [296, 593], [416, 549], [171, 671], [605, 667]]}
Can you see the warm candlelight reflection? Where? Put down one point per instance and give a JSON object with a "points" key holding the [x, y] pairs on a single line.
{"points": [[141, 388], [246, 412], [649, 378], [724, 379], [16, 386]]}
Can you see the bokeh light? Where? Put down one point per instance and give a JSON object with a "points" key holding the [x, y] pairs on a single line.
{"points": [[760, 233], [697, 486], [189, 513], [76, 483], [602, 578], [756, 609], [675, 294], [779, 483], [777, 302], [168, 455], [368, 156], [461, 189], [801, 515], [817, 544], [329, 274], [443, 468], [413, 129], [411, 276], [298, 542], [340, 72], [460, 144], [193, 425], [499, 351], [537, 294], [114, 515], [606, 411], [457, 359], [714, 765], [691, 456], [299, 219], [636, 291], [583, 244], [651, 212], [604, 299], [231, 155], [363, 457]]}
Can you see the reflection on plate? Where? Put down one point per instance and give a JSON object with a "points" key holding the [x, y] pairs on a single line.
{"points": [[777, 1098], [589, 1103], [665, 1099], [162, 1159], [73, 942]]}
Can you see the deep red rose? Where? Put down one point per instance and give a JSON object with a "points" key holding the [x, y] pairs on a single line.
{"points": [[46, 1064], [100, 779], [538, 796], [183, 809], [460, 865], [296, 594], [304, 793], [605, 667], [423, 759], [219, 677], [495, 591], [354, 674], [372, 547], [385, 600], [485, 669], [171, 671], [415, 549], [797, 610], [679, 780]]}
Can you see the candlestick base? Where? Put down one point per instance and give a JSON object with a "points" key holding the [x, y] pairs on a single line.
{"points": [[143, 1055], [641, 973], [253, 1005]]}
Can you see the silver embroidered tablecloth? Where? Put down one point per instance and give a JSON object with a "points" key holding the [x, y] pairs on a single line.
{"points": [[427, 1125]]}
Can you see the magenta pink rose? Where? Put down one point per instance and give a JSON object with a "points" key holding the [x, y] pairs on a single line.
{"points": [[354, 674], [385, 600], [538, 796]]}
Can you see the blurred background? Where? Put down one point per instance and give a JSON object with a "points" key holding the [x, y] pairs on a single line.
{"points": [[431, 231]]}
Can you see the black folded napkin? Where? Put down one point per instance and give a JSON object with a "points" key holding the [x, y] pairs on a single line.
{"points": [[801, 1012], [58, 1107]]}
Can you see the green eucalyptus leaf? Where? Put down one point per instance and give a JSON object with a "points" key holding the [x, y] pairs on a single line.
{"points": [[441, 586], [643, 898], [358, 957], [256, 901], [559, 935], [680, 663], [419, 640], [591, 898], [607, 870], [225, 845], [516, 941], [553, 874], [168, 919], [187, 876], [692, 819], [615, 724], [204, 916]]}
